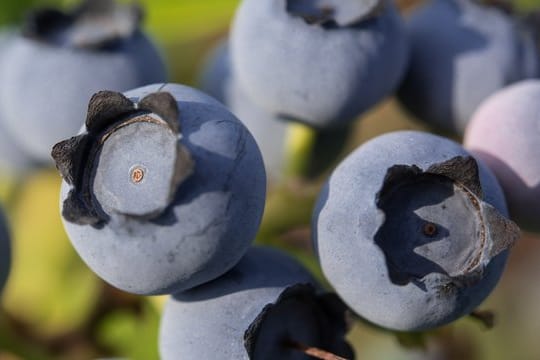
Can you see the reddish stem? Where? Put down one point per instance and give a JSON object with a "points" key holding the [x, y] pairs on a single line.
{"points": [[313, 351]]}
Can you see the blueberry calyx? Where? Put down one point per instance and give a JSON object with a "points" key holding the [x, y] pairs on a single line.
{"points": [[327, 311], [77, 159], [437, 223], [342, 13], [503, 5], [95, 24]]}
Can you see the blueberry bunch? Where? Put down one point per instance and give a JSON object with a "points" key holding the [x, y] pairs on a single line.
{"points": [[266, 307], [164, 188], [58, 60], [163, 193]]}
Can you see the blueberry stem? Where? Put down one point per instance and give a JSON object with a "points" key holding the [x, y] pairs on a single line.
{"points": [[486, 317], [311, 152], [312, 351]]}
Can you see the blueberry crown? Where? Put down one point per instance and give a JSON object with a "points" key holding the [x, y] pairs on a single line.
{"points": [[328, 309], [412, 201], [94, 24], [329, 13], [109, 111]]}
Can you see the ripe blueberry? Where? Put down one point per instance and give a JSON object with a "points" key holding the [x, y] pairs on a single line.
{"points": [[461, 52], [12, 158], [318, 62], [257, 310], [409, 231], [60, 59], [163, 191]]}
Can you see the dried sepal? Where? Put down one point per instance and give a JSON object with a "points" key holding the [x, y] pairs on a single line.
{"points": [[164, 105], [341, 12], [68, 156], [462, 169], [105, 107]]}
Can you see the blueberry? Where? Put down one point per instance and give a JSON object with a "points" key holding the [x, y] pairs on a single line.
{"points": [[216, 72], [5, 251], [60, 59], [256, 311], [461, 52], [410, 231], [163, 191], [504, 133], [12, 158], [322, 63], [269, 130]]}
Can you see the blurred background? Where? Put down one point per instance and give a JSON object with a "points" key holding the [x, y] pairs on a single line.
{"points": [[54, 307]]}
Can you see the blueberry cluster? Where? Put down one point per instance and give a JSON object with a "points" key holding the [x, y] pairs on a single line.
{"points": [[164, 188], [163, 193]]}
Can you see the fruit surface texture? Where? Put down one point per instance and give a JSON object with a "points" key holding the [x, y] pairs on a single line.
{"points": [[410, 231], [318, 70], [174, 192]]}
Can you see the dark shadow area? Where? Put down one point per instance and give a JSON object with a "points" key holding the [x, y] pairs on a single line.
{"points": [[431, 226], [403, 230]]}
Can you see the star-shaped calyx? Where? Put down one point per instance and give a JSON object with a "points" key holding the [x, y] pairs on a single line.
{"points": [[299, 314], [95, 24], [436, 222], [343, 13], [129, 162]]}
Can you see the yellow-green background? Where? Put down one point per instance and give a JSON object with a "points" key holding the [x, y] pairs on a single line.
{"points": [[55, 308]]}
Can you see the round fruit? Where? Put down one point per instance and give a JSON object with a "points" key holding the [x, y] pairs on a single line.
{"points": [[261, 309], [461, 52], [60, 59], [12, 159], [410, 231], [318, 62], [163, 191], [504, 133]]}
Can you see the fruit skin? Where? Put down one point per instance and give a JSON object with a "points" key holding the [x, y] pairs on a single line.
{"points": [[12, 159], [5, 251], [503, 132], [347, 220], [321, 75], [46, 86], [216, 72], [211, 221], [268, 130], [210, 321], [461, 52]]}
